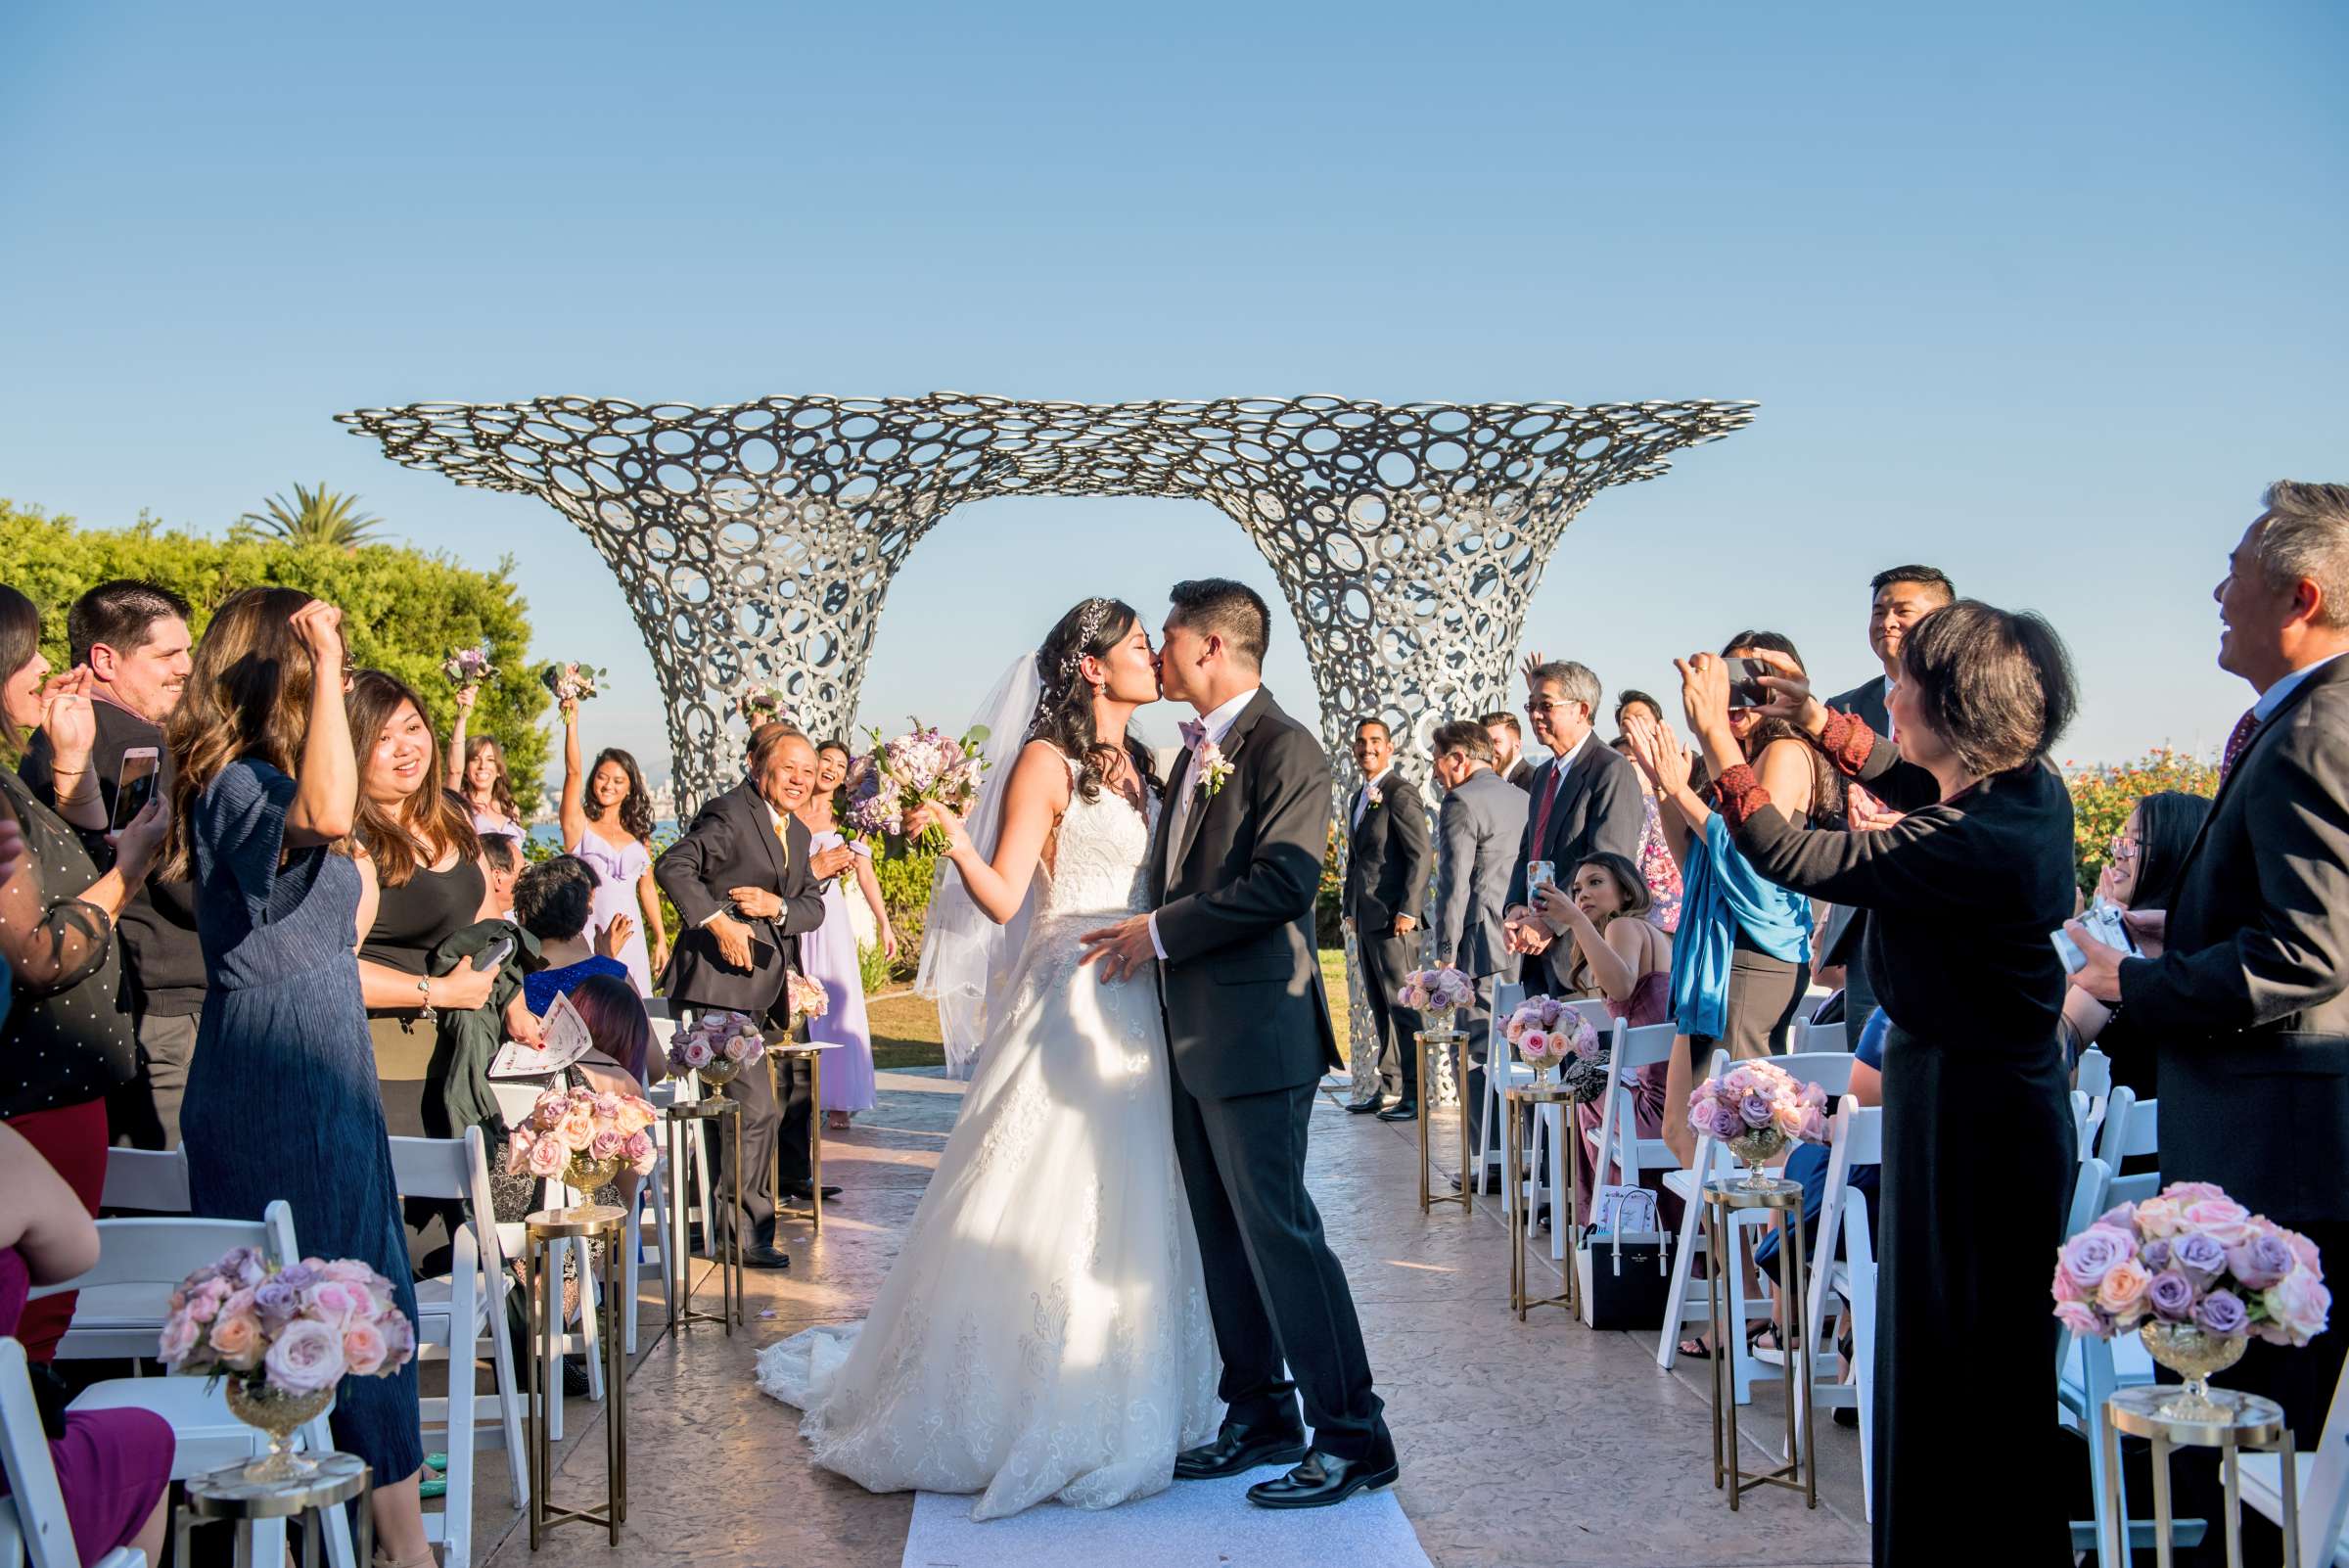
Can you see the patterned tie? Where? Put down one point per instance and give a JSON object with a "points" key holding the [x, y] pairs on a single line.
{"points": [[2237, 743], [1194, 732], [783, 840]]}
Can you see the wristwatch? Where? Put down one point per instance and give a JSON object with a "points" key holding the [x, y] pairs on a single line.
{"points": [[423, 1000]]}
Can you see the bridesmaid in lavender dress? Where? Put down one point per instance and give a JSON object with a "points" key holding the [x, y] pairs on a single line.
{"points": [[607, 817], [828, 955], [477, 770]]}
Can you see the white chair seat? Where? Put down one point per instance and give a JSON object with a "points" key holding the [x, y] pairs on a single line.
{"points": [[2263, 1490], [432, 1295], [209, 1436]]}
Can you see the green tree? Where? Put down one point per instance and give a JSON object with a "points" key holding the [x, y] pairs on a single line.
{"points": [[404, 610], [316, 517]]}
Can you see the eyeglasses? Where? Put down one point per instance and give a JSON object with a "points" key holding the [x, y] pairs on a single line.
{"points": [[1538, 706], [2123, 847]]}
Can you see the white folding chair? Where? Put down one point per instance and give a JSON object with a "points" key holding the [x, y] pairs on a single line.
{"points": [[460, 1316], [2132, 1131], [2092, 1088], [1616, 1152], [1501, 1069], [33, 1517], [140, 1263], [1857, 1140], [2322, 1481], [152, 1179]]}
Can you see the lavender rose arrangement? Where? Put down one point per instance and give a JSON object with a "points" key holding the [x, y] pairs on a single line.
{"points": [[299, 1329], [2191, 1255], [1547, 1031], [578, 1133], [1436, 990], [571, 683], [467, 668]]}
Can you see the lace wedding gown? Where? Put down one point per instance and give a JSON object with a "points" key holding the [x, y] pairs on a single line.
{"points": [[1044, 1333]]}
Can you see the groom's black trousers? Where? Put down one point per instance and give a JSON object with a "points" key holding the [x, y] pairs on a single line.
{"points": [[1275, 1292]]}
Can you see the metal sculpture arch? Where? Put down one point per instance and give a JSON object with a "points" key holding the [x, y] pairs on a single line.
{"points": [[757, 542]]}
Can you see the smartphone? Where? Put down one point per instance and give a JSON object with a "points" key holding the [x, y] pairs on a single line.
{"points": [[491, 956], [135, 785], [1746, 684], [1539, 874]]}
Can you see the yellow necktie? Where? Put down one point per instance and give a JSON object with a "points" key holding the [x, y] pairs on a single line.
{"points": [[783, 837]]}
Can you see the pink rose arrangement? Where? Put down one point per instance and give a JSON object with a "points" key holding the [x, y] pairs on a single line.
{"points": [[1436, 990], [469, 666], [571, 1131], [297, 1330], [717, 1036], [809, 998], [2191, 1255], [1546, 1032], [1757, 1109], [896, 775]]}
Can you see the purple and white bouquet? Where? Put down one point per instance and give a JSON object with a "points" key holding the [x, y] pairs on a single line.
{"points": [[1546, 1032], [2191, 1255], [1441, 991], [898, 775], [571, 683], [298, 1330], [718, 1045], [1757, 1109], [763, 704], [469, 667]]}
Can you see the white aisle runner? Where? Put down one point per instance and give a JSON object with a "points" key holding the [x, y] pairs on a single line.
{"points": [[1192, 1524]]}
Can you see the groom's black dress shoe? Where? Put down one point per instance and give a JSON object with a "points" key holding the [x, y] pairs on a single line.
{"points": [[1367, 1107], [1400, 1111], [1241, 1445], [1323, 1479]]}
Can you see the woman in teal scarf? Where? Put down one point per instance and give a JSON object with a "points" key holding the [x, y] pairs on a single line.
{"points": [[1742, 959]]}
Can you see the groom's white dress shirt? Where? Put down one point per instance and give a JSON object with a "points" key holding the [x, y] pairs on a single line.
{"points": [[1217, 723]]}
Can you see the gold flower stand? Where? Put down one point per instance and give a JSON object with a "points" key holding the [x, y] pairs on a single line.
{"points": [[1458, 1043], [779, 1045], [542, 1293], [1517, 1103], [2231, 1423], [225, 1497], [683, 1126], [1783, 1201]]}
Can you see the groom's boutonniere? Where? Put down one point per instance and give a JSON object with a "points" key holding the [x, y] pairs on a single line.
{"points": [[1215, 770]]}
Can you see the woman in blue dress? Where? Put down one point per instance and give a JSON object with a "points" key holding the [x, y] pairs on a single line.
{"points": [[282, 1099]]}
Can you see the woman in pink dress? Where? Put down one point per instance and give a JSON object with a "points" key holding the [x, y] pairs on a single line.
{"points": [[1622, 956], [828, 955], [607, 816]]}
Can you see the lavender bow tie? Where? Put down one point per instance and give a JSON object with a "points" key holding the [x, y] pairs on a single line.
{"points": [[1194, 733]]}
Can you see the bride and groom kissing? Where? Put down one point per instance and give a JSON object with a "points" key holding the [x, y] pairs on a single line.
{"points": [[1118, 1244]]}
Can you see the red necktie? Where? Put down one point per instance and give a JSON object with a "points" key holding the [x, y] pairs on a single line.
{"points": [[1550, 797], [2237, 743]]}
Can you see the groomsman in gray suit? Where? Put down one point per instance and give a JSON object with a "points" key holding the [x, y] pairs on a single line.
{"points": [[1480, 825]]}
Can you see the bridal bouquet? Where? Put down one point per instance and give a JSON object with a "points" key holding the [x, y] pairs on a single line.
{"points": [[763, 704], [469, 666], [2191, 1255], [571, 683], [583, 1135], [898, 775], [1757, 1109], [719, 1045], [1441, 991]]}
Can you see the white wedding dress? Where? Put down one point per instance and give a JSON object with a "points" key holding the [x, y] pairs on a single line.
{"points": [[1044, 1333]]}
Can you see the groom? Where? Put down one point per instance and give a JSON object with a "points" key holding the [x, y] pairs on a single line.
{"points": [[1234, 869]]}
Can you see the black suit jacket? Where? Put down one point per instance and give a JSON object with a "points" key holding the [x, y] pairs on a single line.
{"points": [[733, 844], [1599, 807], [2248, 1005], [1242, 977], [1386, 857], [1521, 774]]}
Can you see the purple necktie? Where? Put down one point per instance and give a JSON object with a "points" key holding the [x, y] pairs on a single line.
{"points": [[2237, 743]]}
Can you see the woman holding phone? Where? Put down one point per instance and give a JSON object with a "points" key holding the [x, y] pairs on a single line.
{"points": [[66, 1042]]}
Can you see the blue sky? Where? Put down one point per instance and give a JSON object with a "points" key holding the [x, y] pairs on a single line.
{"points": [[2040, 295]]}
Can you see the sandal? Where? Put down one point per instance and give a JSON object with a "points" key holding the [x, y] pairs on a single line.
{"points": [[1696, 1350]]}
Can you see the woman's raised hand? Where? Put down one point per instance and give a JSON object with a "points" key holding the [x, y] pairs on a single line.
{"points": [[67, 717], [1658, 751], [319, 626], [1789, 692]]}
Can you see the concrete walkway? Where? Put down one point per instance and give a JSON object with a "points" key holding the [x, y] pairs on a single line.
{"points": [[1541, 1442]]}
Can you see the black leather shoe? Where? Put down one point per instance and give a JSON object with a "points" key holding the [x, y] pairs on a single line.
{"points": [[1400, 1111], [1367, 1107], [802, 1192], [1240, 1446], [1323, 1479], [758, 1255]]}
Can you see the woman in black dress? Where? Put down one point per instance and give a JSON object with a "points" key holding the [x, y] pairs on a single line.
{"points": [[1978, 1151]]}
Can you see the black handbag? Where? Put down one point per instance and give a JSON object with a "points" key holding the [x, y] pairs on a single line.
{"points": [[1625, 1276]]}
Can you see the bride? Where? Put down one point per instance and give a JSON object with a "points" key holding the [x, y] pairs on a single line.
{"points": [[1044, 1333]]}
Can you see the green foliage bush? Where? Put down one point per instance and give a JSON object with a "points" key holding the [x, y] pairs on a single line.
{"points": [[403, 610], [2103, 796]]}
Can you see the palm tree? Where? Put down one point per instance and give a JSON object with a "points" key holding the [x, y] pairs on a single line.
{"points": [[316, 517]]}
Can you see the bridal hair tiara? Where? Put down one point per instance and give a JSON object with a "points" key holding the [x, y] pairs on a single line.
{"points": [[1089, 626]]}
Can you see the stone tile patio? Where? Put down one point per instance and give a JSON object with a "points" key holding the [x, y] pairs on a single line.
{"points": [[1541, 1442]]}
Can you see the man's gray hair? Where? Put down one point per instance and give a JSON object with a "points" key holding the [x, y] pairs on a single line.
{"points": [[1465, 735], [1577, 683], [2307, 535]]}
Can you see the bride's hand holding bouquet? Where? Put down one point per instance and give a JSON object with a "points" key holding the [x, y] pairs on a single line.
{"points": [[938, 815]]}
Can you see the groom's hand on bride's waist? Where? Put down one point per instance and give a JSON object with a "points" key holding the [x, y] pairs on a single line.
{"points": [[1120, 949]]}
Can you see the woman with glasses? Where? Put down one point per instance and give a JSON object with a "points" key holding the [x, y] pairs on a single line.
{"points": [[2146, 856]]}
